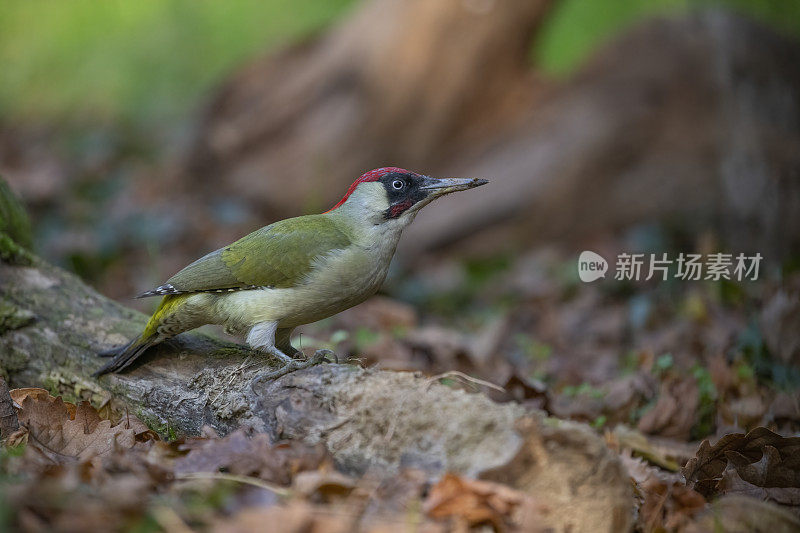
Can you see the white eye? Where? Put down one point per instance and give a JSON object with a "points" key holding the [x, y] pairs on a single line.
{"points": [[398, 184]]}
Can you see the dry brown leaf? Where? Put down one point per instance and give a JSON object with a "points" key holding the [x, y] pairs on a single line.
{"points": [[579, 407], [785, 408], [668, 505], [626, 393], [472, 502], [743, 413], [675, 411], [35, 392], [251, 456], [139, 428], [100, 494], [664, 501], [740, 514], [761, 464], [62, 436], [17, 438], [19, 395], [732, 483]]}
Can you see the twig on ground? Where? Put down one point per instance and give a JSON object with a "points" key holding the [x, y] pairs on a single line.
{"points": [[465, 377]]}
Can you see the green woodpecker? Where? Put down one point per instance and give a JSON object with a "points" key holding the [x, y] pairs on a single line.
{"points": [[293, 272]]}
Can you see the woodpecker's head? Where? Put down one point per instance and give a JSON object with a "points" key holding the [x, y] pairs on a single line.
{"points": [[395, 195]]}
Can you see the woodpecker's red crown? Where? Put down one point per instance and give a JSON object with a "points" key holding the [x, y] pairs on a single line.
{"points": [[372, 175], [404, 191]]}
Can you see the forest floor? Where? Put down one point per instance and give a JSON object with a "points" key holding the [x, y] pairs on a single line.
{"points": [[677, 377]]}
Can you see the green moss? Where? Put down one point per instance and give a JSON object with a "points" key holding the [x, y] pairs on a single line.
{"points": [[73, 388], [225, 352], [12, 317], [14, 221], [599, 422], [13, 359], [552, 422], [707, 408], [164, 429], [584, 389], [13, 253]]}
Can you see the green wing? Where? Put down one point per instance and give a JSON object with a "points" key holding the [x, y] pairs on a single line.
{"points": [[278, 255]]}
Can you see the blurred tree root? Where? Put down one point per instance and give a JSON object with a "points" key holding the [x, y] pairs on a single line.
{"points": [[369, 420]]}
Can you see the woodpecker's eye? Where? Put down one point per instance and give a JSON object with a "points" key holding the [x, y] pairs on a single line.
{"points": [[398, 184]]}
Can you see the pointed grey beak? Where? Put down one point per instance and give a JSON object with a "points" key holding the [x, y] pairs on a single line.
{"points": [[442, 186]]}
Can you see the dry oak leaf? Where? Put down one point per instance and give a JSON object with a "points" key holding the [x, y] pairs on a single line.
{"points": [[19, 395], [760, 463], [668, 505], [474, 503], [64, 432], [675, 411], [254, 455], [740, 514]]}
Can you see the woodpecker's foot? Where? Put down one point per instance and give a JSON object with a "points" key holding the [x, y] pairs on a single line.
{"points": [[295, 364]]}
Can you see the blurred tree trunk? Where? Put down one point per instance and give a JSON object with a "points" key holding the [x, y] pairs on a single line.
{"points": [[397, 82], [690, 122]]}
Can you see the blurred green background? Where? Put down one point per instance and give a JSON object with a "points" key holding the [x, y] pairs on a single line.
{"points": [[148, 62]]}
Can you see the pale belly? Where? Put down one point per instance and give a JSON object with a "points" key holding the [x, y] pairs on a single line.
{"points": [[342, 281]]}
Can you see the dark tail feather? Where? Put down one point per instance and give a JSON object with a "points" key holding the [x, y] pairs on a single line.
{"points": [[115, 351], [125, 355]]}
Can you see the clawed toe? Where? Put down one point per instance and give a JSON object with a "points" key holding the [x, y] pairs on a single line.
{"points": [[318, 357]]}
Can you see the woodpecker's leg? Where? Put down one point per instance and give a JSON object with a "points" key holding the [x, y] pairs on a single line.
{"points": [[283, 340], [264, 337]]}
